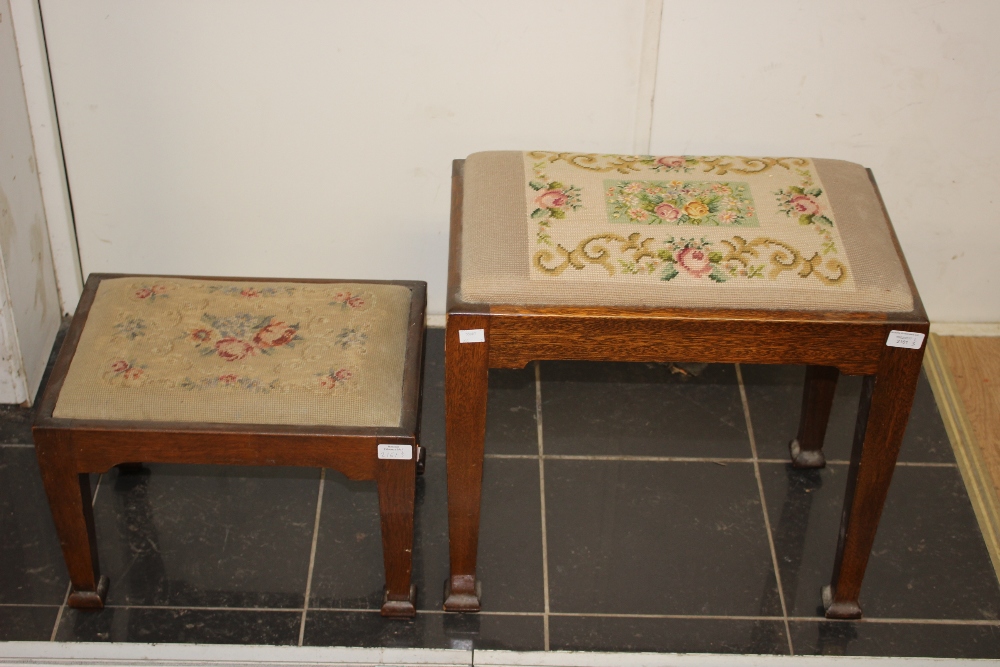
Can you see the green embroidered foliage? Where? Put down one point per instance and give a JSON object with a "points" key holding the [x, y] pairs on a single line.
{"points": [[714, 203]]}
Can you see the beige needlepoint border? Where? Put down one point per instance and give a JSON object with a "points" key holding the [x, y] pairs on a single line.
{"points": [[240, 352], [497, 250]]}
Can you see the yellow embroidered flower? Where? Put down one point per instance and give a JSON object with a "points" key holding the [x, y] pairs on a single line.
{"points": [[696, 209]]}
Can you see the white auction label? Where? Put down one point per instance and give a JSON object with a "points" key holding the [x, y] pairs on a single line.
{"points": [[399, 452], [910, 339], [471, 336]]}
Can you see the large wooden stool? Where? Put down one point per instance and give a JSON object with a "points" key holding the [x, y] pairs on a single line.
{"points": [[690, 259], [236, 372]]}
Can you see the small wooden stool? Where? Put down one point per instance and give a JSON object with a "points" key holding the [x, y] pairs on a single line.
{"points": [[690, 259], [236, 371]]}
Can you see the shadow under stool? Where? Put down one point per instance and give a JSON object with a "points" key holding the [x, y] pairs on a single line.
{"points": [[558, 256], [236, 371]]}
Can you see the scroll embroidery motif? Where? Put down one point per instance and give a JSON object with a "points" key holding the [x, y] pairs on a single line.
{"points": [[587, 226]]}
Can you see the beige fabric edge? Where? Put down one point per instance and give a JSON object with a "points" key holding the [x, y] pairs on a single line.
{"points": [[493, 220]]}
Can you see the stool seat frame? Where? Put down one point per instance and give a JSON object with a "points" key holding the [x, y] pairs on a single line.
{"points": [[827, 342], [69, 450]]}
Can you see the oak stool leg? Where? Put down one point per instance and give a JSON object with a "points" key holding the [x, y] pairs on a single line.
{"points": [[817, 399], [886, 400], [70, 500], [466, 379], [397, 487]]}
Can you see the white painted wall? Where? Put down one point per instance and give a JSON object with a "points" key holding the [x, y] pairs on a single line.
{"points": [[29, 302], [311, 139], [909, 89], [266, 137]]}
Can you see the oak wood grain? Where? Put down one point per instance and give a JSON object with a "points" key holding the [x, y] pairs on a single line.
{"points": [[974, 363]]}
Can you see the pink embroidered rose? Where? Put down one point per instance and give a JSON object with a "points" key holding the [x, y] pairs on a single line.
{"points": [[250, 293], [804, 204], [133, 374], [667, 212], [144, 293], [158, 289], [228, 379], [233, 349], [695, 261], [670, 162], [348, 299], [638, 214], [119, 366], [696, 209], [551, 199], [200, 335], [333, 379], [274, 334]]}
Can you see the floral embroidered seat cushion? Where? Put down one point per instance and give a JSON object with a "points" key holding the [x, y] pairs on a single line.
{"points": [[624, 230], [248, 352]]}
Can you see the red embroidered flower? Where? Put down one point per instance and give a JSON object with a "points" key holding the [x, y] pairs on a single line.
{"points": [[695, 261], [144, 293], [200, 335], [133, 373], [804, 204], [158, 289], [275, 334], [120, 366], [249, 293], [333, 379], [667, 212], [233, 349], [348, 299], [670, 162], [229, 379], [552, 199]]}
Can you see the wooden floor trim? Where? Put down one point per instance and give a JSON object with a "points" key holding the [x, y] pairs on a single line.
{"points": [[977, 479]]}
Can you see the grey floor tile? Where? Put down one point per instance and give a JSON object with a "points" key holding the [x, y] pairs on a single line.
{"points": [[896, 639], [667, 635], [187, 535], [184, 626], [427, 630], [32, 570], [642, 409], [660, 538], [929, 559], [26, 624]]}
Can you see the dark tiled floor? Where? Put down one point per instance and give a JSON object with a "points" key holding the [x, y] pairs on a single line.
{"points": [[654, 530]]}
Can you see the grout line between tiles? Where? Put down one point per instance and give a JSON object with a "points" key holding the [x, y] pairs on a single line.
{"points": [[69, 586], [541, 493], [694, 617], [694, 459], [763, 506], [312, 555]]}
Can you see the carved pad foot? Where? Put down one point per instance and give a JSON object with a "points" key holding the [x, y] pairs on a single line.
{"points": [[462, 593], [90, 599], [400, 608], [806, 458], [847, 609]]}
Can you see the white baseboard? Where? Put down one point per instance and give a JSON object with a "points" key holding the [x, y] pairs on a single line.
{"points": [[102, 654], [966, 328]]}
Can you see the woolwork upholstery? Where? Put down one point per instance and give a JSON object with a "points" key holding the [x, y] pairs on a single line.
{"points": [[248, 352], [546, 228]]}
